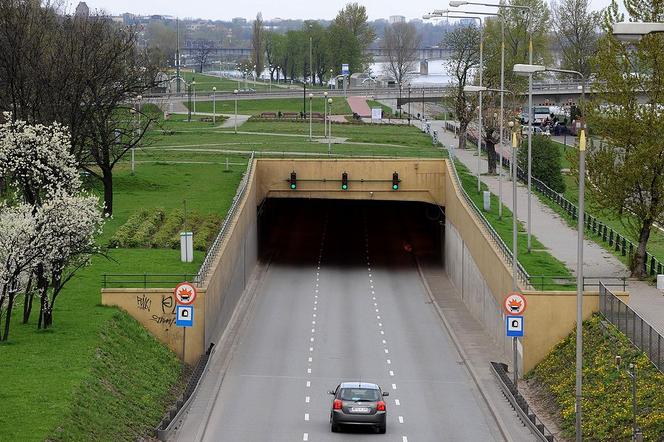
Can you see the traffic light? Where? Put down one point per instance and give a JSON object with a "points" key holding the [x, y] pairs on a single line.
{"points": [[395, 181], [344, 181], [293, 181]]}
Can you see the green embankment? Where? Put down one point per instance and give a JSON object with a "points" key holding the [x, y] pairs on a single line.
{"points": [[276, 105], [607, 398], [81, 380]]}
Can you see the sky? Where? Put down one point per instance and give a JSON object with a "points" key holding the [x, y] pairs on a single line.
{"points": [[296, 9]]}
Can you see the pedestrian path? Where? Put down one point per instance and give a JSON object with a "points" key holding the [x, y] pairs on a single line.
{"points": [[558, 237], [359, 106]]}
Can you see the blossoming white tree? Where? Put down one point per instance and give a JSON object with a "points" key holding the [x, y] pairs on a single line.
{"points": [[48, 225]]}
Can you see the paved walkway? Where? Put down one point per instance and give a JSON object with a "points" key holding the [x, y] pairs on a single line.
{"points": [[359, 106], [560, 239]]}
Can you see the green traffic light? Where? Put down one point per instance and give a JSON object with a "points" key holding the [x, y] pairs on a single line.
{"points": [[292, 186], [344, 186], [395, 187]]}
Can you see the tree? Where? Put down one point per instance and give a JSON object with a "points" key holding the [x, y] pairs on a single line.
{"points": [[576, 29], [463, 42], [75, 70], [545, 161], [518, 30], [258, 44], [47, 228], [353, 18], [401, 41], [204, 49], [626, 169]]}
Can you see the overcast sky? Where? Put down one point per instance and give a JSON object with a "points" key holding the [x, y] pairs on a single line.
{"points": [[297, 9]]}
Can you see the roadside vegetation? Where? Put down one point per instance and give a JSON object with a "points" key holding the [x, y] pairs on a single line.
{"points": [[607, 398]]}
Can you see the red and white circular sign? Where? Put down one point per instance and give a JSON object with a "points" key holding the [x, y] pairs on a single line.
{"points": [[185, 293], [515, 304]]}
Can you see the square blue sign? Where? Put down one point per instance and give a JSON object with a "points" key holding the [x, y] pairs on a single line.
{"points": [[184, 315], [514, 326]]}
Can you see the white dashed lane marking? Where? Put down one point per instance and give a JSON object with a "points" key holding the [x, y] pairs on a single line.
{"points": [[401, 419], [397, 402], [306, 436]]}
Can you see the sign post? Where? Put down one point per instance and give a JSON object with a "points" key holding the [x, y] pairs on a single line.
{"points": [[185, 295], [514, 305]]}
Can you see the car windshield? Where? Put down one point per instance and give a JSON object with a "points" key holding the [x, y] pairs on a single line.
{"points": [[359, 394]]}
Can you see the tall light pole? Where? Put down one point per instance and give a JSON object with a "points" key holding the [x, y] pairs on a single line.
{"points": [[214, 104], [311, 96], [193, 85], [269, 68], [235, 96], [325, 114], [409, 90], [329, 130], [531, 69], [132, 111]]}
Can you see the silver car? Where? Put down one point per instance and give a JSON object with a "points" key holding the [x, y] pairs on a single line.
{"points": [[358, 403]]}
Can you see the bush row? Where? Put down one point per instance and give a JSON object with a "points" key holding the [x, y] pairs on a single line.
{"points": [[154, 228]]}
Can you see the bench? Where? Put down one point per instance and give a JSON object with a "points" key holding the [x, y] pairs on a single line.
{"points": [[206, 119], [268, 115], [291, 115]]}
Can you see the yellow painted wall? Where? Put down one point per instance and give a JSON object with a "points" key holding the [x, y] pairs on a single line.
{"points": [[155, 309], [550, 317]]}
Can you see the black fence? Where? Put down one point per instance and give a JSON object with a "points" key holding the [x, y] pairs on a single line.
{"points": [[146, 280], [520, 404], [557, 282], [594, 226], [642, 334]]}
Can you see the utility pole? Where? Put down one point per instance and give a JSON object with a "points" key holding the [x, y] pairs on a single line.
{"points": [[177, 55]]}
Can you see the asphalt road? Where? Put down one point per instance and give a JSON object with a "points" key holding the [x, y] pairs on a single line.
{"points": [[342, 301]]}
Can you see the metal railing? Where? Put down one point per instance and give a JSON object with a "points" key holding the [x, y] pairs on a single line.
{"points": [[595, 227], [145, 280], [637, 329], [520, 404], [558, 282], [505, 251], [218, 240]]}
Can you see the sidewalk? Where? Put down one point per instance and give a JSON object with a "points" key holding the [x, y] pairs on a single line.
{"points": [[560, 239], [359, 106]]}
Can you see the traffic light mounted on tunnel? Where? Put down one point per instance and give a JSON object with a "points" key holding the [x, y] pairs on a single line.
{"points": [[293, 181], [395, 181], [344, 181]]}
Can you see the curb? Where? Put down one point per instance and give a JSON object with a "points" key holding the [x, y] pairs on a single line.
{"points": [[502, 426]]}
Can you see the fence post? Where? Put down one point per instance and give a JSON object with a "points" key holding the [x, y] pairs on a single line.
{"points": [[611, 238], [574, 212], [104, 280], [631, 249], [624, 243], [145, 280], [652, 265]]}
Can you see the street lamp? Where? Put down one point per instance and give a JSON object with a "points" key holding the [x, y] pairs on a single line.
{"points": [[193, 85], [325, 114], [409, 104], [132, 111], [235, 95], [628, 31], [329, 130], [531, 69], [214, 104], [311, 96]]}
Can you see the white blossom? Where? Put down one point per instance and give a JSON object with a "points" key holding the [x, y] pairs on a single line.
{"points": [[37, 158], [19, 245]]}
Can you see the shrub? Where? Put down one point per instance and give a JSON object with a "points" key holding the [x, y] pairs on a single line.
{"points": [[546, 163]]}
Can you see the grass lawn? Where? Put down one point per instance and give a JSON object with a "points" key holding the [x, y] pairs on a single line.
{"points": [[539, 261], [78, 380], [255, 107], [387, 110]]}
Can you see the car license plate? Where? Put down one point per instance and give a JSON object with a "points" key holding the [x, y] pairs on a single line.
{"points": [[359, 410]]}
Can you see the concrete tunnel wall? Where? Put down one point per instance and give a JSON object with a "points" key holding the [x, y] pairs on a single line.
{"points": [[472, 262]]}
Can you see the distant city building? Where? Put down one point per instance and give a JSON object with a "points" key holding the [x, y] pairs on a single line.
{"points": [[397, 19], [82, 10], [239, 21]]}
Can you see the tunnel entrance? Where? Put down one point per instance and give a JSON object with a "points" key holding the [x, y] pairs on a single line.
{"points": [[295, 232]]}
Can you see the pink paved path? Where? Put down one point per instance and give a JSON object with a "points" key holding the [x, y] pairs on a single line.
{"points": [[359, 106]]}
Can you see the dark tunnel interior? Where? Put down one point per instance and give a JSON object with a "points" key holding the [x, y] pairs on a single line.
{"points": [[294, 231]]}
